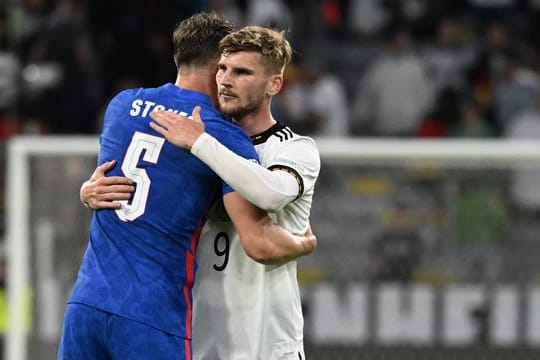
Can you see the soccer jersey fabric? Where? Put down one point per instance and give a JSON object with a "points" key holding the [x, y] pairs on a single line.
{"points": [[140, 260], [244, 310]]}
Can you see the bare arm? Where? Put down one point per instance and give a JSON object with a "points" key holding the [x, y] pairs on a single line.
{"points": [[102, 192], [263, 240]]}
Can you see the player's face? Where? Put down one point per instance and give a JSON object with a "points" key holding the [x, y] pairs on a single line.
{"points": [[242, 83]]}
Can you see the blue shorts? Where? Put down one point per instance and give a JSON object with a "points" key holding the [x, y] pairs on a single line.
{"points": [[89, 333]]}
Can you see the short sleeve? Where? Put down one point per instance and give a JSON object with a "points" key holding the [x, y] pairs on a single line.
{"points": [[300, 156]]}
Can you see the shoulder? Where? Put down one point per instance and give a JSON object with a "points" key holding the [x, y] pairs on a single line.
{"points": [[228, 134], [302, 150], [218, 126], [123, 99], [286, 138], [126, 94], [284, 146]]}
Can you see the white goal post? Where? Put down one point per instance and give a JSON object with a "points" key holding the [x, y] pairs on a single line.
{"points": [[348, 150], [19, 152]]}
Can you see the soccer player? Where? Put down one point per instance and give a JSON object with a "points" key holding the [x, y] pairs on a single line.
{"points": [[244, 309], [259, 313], [133, 295]]}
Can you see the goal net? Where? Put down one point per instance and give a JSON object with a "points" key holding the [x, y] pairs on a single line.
{"points": [[426, 249]]}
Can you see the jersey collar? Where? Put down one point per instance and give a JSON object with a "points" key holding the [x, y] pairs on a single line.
{"points": [[262, 137], [195, 96]]}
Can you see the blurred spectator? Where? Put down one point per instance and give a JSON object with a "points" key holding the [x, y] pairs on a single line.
{"points": [[233, 10], [442, 117], [525, 182], [515, 92], [488, 68], [481, 212], [397, 252], [10, 64], [326, 110], [472, 123], [482, 219], [292, 102], [9, 80], [367, 17], [130, 28], [61, 66], [333, 18], [489, 11], [273, 13], [447, 57], [395, 92], [414, 16]]}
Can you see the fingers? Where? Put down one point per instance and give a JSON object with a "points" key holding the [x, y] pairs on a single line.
{"points": [[166, 118], [106, 166], [161, 117], [197, 114], [95, 205], [108, 197], [312, 241], [309, 232], [158, 128], [162, 121], [122, 192], [116, 180], [103, 168]]}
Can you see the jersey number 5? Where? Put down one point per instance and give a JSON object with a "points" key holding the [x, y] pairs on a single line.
{"points": [[151, 147]]}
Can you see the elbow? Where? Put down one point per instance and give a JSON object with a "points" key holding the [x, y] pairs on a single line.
{"points": [[257, 251], [273, 204], [261, 256], [269, 201]]}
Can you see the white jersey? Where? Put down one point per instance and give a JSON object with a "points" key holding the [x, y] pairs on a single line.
{"points": [[243, 310]]}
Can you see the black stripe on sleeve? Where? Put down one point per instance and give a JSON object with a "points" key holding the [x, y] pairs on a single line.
{"points": [[293, 173]]}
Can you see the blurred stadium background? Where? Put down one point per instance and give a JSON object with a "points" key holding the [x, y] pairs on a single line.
{"points": [[423, 259]]}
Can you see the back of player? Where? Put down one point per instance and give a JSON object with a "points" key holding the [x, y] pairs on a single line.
{"points": [[244, 310], [140, 260]]}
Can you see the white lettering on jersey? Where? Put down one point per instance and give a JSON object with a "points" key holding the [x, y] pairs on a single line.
{"points": [[135, 107], [148, 106]]}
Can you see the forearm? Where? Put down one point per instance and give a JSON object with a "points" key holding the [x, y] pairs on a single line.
{"points": [[274, 245], [263, 240], [283, 246], [269, 190]]}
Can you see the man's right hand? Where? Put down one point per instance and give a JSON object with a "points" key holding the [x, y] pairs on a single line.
{"points": [[102, 192]]}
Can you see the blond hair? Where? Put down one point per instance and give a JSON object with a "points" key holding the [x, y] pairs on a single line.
{"points": [[271, 44]]}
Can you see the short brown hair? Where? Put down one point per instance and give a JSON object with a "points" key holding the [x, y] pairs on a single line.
{"points": [[196, 39], [272, 44]]}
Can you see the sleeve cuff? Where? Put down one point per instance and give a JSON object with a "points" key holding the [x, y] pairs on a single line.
{"points": [[200, 143]]}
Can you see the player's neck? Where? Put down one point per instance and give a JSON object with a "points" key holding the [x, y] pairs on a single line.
{"points": [[256, 123], [201, 80]]}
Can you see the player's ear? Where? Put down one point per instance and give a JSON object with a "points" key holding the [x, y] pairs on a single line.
{"points": [[274, 85]]}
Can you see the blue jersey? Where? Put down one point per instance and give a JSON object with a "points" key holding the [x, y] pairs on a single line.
{"points": [[140, 260]]}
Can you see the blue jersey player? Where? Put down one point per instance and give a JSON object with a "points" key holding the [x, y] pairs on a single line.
{"points": [[132, 298]]}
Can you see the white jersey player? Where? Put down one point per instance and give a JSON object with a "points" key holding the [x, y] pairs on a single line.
{"points": [[244, 309]]}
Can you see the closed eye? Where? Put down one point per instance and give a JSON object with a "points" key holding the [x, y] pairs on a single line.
{"points": [[242, 71]]}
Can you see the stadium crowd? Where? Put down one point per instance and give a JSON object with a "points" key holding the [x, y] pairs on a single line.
{"points": [[472, 64]]}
